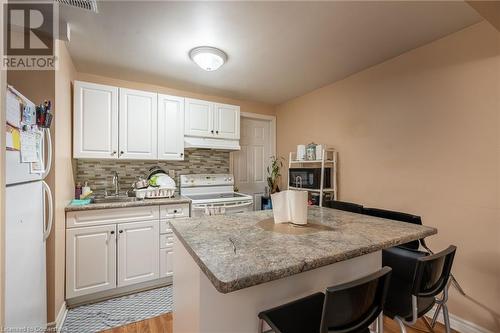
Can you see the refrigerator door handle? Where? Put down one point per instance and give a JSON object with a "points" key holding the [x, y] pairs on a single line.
{"points": [[50, 210], [48, 163]]}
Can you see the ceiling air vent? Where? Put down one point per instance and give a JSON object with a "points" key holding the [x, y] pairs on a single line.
{"points": [[90, 5]]}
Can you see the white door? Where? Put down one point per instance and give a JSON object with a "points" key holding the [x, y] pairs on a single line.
{"points": [[166, 261], [95, 123], [249, 164], [138, 124], [199, 120], [227, 121], [25, 289], [170, 127], [138, 252], [91, 260]]}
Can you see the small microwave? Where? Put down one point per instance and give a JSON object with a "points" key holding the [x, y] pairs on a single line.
{"points": [[309, 178]]}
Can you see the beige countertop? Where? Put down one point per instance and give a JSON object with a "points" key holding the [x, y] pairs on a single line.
{"points": [[241, 250], [134, 203]]}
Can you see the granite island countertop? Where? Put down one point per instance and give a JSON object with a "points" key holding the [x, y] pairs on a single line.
{"points": [[235, 252], [133, 203]]}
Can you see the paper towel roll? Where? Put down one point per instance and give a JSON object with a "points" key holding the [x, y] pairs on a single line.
{"points": [[290, 206], [298, 207], [281, 209]]}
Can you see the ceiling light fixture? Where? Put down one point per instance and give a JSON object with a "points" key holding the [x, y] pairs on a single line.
{"points": [[207, 57]]}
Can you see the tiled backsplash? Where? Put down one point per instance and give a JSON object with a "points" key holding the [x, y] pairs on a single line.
{"points": [[99, 173]]}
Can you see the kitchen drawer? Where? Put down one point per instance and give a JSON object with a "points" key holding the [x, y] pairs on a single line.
{"points": [[174, 211], [166, 240], [110, 216], [165, 227]]}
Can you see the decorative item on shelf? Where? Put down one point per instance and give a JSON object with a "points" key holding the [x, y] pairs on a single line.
{"points": [[319, 151], [301, 152], [274, 173], [311, 152]]}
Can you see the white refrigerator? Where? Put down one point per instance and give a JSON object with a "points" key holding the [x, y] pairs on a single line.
{"points": [[29, 213]]}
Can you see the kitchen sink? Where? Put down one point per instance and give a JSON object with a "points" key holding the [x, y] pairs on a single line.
{"points": [[119, 198]]}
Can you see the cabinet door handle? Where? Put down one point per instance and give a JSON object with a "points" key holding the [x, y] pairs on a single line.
{"points": [[121, 153], [113, 153], [217, 132], [182, 154], [212, 131], [112, 232], [121, 231]]}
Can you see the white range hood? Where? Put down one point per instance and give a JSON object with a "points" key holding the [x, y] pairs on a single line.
{"points": [[209, 143]]}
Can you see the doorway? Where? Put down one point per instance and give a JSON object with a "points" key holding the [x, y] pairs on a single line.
{"points": [[258, 144]]}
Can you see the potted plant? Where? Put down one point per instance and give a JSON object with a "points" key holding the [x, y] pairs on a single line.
{"points": [[274, 175]]}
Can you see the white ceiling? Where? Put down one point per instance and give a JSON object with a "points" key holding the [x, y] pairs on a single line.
{"points": [[276, 50]]}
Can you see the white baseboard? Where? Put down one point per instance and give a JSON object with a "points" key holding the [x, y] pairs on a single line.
{"points": [[61, 316], [459, 324]]}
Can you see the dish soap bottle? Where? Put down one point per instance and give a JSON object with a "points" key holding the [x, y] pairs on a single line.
{"points": [[78, 190]]}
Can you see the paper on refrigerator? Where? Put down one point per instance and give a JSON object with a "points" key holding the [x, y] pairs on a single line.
{"points": [[290, 206]]}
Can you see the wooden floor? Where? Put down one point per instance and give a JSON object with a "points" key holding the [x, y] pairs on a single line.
{"points": [[163, 324]]}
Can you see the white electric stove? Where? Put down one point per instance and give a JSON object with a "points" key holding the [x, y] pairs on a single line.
{"points": [[213, 194]]}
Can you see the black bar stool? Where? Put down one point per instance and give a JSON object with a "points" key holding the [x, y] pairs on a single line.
{"points": [[345, 206], [417, 281], [348, 308]]}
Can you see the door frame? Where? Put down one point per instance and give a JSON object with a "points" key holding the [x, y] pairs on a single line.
{"points": [[257, 116]]}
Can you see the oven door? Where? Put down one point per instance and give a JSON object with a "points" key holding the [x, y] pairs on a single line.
{"points": [[221, 208]]}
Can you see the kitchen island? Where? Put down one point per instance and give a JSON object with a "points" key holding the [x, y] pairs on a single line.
{"points": [[228, 268]]}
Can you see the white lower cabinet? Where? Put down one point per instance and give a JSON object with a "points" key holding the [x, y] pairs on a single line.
{"points": [[91, 260], [112, 248], [138, 251], [166, 264]]}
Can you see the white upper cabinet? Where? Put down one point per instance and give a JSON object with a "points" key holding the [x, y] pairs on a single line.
{"points": [[199, 118], [95, 125], [227, 121], [112, 123], [212, 120], [170, 127], [138, 115]]}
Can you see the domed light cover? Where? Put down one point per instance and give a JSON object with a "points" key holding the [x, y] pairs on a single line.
{"points": [[208, 58]]}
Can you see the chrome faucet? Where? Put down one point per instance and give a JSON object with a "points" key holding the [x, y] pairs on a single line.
{"points": [[116, 183]]}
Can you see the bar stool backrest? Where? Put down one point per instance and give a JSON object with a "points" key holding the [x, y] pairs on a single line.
{"points": [[354, 306], [345, 206], [432, 273], [398, 216]]}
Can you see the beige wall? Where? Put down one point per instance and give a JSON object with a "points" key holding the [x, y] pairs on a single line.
{"points": [[246, 106], [64, 184], [421, 133]]}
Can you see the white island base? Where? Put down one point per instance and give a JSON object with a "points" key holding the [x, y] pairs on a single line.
{"points": [[199, 307]]}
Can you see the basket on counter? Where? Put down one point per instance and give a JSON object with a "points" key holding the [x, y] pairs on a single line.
{"points": [[155, 192]]}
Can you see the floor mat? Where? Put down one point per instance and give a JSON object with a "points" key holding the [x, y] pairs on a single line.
{"points": [[118, 311]]}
